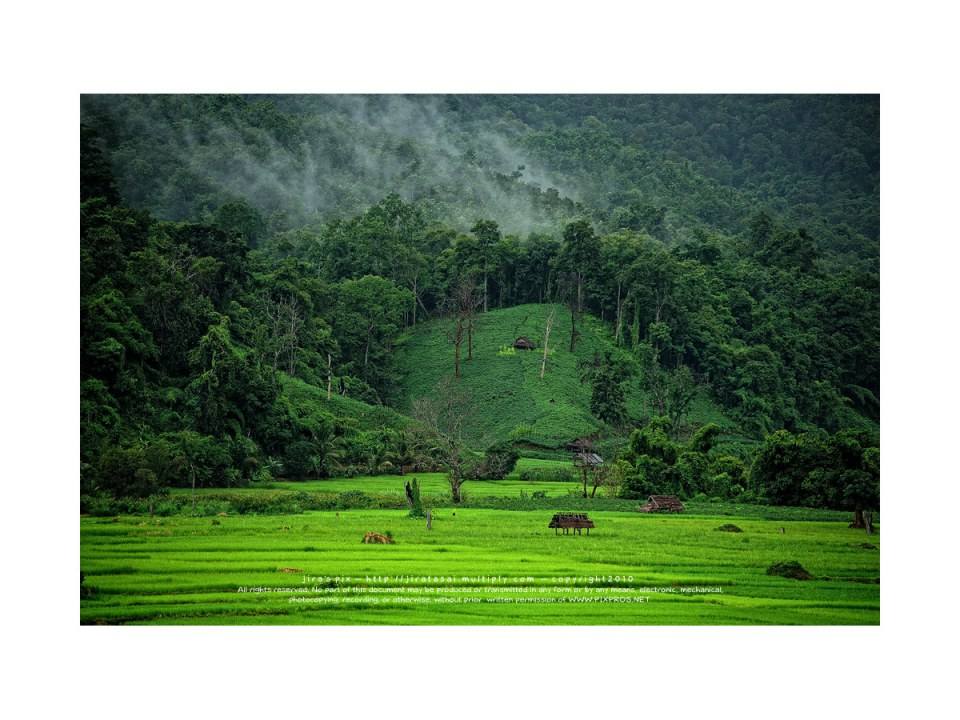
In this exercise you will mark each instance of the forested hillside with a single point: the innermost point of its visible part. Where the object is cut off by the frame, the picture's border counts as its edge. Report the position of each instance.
(267, 281)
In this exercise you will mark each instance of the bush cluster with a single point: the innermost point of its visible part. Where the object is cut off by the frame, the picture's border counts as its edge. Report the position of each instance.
(548, 474)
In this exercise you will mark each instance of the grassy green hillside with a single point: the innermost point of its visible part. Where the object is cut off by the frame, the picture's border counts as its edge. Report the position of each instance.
(304, 398)
(507, 396)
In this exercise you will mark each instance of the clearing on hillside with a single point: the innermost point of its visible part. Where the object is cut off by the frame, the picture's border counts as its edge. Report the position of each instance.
(507, 396)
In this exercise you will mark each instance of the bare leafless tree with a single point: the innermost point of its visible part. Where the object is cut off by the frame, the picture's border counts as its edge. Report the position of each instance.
(286, 323)
(460, 308)
(444, 414)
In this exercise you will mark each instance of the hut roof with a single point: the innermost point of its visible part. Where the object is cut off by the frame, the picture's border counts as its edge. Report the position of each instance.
(571, 520)
(662, 503)
(523, 343)
(587, 459)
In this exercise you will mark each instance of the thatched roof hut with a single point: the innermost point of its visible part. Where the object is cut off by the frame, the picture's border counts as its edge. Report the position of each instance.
(524, 343)
(662, 503)
(571, 521)
(587, 460)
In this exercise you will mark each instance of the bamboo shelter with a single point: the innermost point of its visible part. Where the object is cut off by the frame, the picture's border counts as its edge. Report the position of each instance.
(571, 521)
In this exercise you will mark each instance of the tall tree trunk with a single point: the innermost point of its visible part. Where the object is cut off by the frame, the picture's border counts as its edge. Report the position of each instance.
(579, 292)
(484, 290)
(573, 329)
(470, 339)
(415, 300)
(636, 322)
(457, 342)
(619, 315)
(329, 375)
(858, 520)
(546, 341)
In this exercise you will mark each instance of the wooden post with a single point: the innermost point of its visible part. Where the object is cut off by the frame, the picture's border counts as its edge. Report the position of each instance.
(868, 522)
(429, 520)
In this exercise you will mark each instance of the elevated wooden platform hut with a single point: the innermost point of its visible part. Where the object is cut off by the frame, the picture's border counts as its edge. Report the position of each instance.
(571, 521)
(587, 460)
(662, 503)
(524, 343)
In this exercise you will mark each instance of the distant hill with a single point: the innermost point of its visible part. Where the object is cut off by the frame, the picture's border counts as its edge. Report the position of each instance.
(507, 397)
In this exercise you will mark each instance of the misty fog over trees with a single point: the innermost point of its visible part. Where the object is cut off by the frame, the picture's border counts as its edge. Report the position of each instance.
(247, 260)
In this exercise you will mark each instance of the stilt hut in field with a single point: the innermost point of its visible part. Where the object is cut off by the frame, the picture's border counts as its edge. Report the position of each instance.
(571, 521)
(590, 464)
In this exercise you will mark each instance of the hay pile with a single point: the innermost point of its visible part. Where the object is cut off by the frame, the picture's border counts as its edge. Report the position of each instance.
(375, 538)
(790, 569)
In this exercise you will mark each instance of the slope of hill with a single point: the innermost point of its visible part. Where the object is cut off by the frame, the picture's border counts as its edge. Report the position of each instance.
(304, 398)
(507, 398)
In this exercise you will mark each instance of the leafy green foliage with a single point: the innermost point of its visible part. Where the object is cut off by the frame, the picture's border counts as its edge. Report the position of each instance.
(253, 296)
(499, 461)
(838, 471)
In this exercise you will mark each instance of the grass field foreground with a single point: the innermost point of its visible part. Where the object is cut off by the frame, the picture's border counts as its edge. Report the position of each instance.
(474, 567)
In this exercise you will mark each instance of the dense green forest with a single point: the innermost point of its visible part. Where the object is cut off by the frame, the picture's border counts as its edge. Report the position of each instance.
(258, 273)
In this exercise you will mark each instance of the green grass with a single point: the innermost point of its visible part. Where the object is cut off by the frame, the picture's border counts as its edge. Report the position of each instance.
(351, 413)
(430, 483)
(189, 570)
(506, 390)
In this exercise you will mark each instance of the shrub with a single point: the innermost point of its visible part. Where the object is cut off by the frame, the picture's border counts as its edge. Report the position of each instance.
(353, 499)
(101, 505)
(498, 462)
(521, 432)
(412, 489)
(297, 458)
(789, 569)
(548, 474)
(126, 471)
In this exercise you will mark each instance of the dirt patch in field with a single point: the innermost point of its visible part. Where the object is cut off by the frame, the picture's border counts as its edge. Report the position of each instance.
(289, 570)
(729, 527)
(790, 569)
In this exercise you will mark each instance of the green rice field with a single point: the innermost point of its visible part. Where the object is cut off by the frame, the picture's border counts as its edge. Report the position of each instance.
(475, 566)
(430, 484)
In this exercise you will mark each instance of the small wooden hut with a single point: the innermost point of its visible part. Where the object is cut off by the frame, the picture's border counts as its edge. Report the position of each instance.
(524, 343)
(662, 503)
(588, 460)
(580, 445)
(571, 521)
